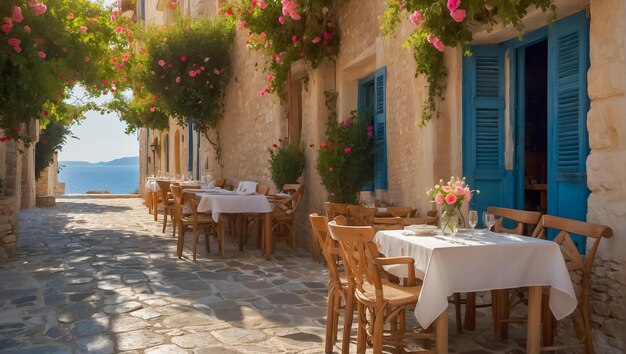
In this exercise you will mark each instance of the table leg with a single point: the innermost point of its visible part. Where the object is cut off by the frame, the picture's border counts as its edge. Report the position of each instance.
(533, 343)
(267, 235)
(155, 205)
(470, 311)
(441, 332)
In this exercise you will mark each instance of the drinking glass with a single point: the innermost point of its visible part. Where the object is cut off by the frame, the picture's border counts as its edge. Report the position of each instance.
(473, 220)
(489, 220)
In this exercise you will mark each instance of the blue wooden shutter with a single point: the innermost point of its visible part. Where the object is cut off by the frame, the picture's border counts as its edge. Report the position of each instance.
(380, 130)
(568, 104)
(483, 128)
(190, 150)
(167, 152)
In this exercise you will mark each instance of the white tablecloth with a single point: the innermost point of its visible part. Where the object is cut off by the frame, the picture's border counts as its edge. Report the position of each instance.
(231, 202)
(490, 261)
(153, 186)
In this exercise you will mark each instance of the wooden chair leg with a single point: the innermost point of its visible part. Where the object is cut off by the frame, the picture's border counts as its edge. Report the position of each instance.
(174, 226)
(164, 218)
(330, 319)
(220, 237)
(181, 240)
(361, 339)
(457, 312)
(206, 240)
(347, 322)
(196, 235)
(377, 340)
(155, 207)
(470, 311)
(500, 311)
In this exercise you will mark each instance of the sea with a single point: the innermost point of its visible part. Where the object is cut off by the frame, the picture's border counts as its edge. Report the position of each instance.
(118, 179)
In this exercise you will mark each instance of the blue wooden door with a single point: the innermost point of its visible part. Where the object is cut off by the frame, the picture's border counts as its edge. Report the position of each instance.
(568, 104)
(380, 128)
(484, 128)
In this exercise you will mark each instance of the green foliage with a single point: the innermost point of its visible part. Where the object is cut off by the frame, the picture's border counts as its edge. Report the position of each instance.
(182, 71)
(51, 140)
(312, 38)
(436, 27)
(345, 161)
(71, 42)
(286, 162)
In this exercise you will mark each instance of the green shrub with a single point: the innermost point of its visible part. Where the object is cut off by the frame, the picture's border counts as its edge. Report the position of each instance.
(286, 162)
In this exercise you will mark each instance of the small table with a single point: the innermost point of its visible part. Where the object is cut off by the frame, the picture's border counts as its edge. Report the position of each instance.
(229, 202)
(491, 261)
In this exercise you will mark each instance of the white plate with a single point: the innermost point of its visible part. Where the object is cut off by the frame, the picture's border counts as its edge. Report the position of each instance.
(421, 229)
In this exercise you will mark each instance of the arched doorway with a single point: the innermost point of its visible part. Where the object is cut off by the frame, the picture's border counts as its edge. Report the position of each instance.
(177, 152)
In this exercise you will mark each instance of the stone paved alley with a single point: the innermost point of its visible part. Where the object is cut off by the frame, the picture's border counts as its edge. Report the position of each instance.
(98, 276)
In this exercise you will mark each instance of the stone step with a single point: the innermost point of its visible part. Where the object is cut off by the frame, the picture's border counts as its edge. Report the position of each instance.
(46, 201)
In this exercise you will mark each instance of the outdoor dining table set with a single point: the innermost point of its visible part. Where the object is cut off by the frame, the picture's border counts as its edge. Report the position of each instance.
(435, 266)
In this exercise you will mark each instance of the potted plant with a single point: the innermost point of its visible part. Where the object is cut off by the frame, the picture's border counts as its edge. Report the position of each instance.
(346, 159)
(286, 162)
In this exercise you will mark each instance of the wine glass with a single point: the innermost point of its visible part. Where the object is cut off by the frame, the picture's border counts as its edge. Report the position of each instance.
(489, 220)
(473, 220)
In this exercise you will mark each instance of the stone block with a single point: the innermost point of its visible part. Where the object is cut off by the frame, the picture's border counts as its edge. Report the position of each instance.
(617, 311)
(10, 249)
(46, 201)
(9, 239)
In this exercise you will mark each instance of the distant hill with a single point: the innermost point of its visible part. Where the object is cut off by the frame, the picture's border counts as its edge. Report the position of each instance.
(134, 160)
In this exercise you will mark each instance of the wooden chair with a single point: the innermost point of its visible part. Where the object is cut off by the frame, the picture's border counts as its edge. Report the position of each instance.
(338, 287)
(195, 221)
(256, 218)
(168, 204)
(379, 302)
(221, 182)
(403, 212)
(505, 300)
(335, 209)
(581, 266)
(285, 212)
(360, 215)
(389, 223)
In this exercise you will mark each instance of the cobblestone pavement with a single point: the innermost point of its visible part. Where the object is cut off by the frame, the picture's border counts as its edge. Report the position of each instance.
(99, 276)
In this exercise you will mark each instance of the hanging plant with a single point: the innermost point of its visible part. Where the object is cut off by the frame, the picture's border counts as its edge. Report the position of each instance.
(450, 23)
(287, 31)
(47, 49)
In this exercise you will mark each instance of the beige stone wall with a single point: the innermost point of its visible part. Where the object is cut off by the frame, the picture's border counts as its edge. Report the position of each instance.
(605, 166)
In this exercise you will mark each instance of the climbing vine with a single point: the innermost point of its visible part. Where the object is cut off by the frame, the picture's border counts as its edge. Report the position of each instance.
(287, 31)
(450, 23)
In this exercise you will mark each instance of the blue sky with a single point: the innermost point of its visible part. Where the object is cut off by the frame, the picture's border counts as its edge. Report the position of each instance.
(100, 138)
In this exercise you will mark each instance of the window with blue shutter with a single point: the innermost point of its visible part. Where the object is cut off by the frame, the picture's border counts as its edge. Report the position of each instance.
(190, 150)
(167, 153)
(483, 128)
(568, 104)
(380, 128)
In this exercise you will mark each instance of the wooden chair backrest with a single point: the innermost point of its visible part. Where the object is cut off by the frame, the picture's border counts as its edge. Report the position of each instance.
(526, 220)
(566, 227)
(220, 182)
(388, 223)
(360, 215)
(262, 189)
(190, 187)
(329, 247)
(192, 199)
(289, 205)
(177, 194)
(335, 209)
(357, 252)
(403, 212)
(164, 186)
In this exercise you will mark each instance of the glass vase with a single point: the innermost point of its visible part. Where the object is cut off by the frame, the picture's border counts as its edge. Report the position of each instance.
(449, 221)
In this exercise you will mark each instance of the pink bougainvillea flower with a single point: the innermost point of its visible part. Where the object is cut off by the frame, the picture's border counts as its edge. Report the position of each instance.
(347, 150)
(178, 79)
(294, 38)
(126, 57)
(216, 71)
(346, 123)
(301, 54)
(83, 29)
(253, 4)
(262, 4)
(37, 7)
(370, 131)
(183, 58)
(262, 93)
(27, 29)
(270, 77)
(220, 11)
(17, 49)
(14, 42)
(262, 35)
(161, 62)
(6, 28)
(328, 36)
(192, 73)
(458, 15)
(87, 59)
(487, 6)
(436, 42)
(164, 39)
(274, 146)
(229, 12)
(281, 20)
(331, 169)
(289, 8)
(152, 109)
(16, 15)
(119, 29)
(316, 40)
(453, 4)
(8, 20)
(173, 5)
(202, 68)
(39, 40)
(41, 54)
(416, 18)
(450, 198)
(70, 16)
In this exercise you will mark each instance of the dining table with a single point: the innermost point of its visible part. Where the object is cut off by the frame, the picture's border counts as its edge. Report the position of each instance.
(220, 201)
(480, 261)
